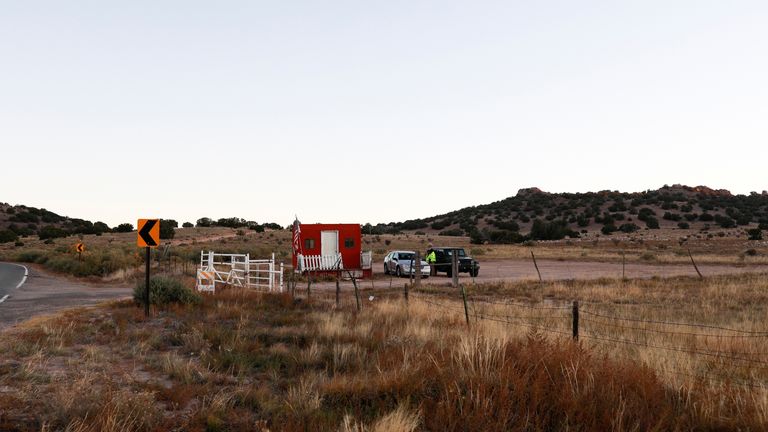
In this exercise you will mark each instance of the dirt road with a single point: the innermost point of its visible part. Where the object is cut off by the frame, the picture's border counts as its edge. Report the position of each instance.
(515, 270)
(44, 293)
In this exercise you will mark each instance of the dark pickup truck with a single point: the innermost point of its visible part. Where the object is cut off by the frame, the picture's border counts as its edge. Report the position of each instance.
(443, 261)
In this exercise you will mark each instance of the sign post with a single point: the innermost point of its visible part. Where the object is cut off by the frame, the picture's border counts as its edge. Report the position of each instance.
(79, 248)
(148, 238)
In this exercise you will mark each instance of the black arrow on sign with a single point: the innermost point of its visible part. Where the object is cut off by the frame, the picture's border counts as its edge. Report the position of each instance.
(144, 232)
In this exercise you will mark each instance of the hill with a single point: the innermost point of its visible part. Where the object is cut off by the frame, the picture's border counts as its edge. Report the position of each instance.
(537, 215)
(21, 221)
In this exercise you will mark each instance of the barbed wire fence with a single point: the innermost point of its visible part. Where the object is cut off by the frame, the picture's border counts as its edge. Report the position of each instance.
(589, 324)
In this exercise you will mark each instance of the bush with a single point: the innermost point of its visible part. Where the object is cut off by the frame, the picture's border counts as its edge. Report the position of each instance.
(554, 230)
(167, 228)
(163, 291)
(7, 236)
(32, 256)
(628, 228)
(608, 229)
(204, 222)
(452, 233)
(725, 221)
(651, 222)
(51, 232)
(706, 217)
(123, 228)
(683, 225)
(438, 225)
(505, 237)
(187, 225)
(755, 234)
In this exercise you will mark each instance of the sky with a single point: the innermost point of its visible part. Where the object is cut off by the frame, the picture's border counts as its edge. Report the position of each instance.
(372, 111)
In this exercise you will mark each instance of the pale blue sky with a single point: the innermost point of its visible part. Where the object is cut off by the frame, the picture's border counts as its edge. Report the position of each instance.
(118, 110)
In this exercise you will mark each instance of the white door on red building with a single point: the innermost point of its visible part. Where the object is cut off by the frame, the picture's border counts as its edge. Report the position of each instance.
(329, 242)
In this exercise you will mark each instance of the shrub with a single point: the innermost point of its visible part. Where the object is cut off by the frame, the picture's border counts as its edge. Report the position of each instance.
(755, 234)
(505, 237)
(18, 243)
(167, 228)
(204, 222)
(554, 230)
(683, 225)
(163, 291)
(725, 221)
(645, 213)
(706, 217)
(608, 229)
(100, 227)
(438, 225)
(628, 228)
(7, 236)
(651, 222)
(123, 228)
(452, 233)
(51, 232)
(671, 216)
(750, 252)
(32, 256)
(187, 225)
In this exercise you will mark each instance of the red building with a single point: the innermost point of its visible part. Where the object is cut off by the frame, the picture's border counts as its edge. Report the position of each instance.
(327, 248)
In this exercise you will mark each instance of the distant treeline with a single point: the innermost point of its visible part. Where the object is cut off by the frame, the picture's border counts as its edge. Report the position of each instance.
(23, 221)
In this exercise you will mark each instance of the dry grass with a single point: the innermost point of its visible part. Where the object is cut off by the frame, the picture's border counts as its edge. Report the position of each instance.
(248, 361)
(113, 256)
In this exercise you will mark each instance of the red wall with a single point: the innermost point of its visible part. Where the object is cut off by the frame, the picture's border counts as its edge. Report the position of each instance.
(349, 256)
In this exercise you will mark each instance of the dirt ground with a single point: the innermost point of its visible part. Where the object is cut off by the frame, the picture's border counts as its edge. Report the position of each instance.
(515, 270)
(45, 293)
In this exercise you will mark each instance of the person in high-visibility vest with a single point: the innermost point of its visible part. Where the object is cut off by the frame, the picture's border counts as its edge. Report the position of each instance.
(431, 260)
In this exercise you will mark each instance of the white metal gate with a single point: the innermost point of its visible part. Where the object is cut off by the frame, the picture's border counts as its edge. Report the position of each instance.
(238, 270)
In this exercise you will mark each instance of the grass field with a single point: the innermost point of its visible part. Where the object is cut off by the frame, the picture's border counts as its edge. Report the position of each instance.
(115, 255)
(249, 361)
(653, 354)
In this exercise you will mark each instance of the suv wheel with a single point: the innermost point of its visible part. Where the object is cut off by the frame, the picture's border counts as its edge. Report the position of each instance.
(449, 272)
(475, 272)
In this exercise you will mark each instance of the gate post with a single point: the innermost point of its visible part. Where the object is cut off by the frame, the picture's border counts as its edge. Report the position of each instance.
(247, 270)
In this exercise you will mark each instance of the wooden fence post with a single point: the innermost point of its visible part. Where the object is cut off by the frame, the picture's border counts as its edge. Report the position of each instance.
(575, 324)
(338, 290)
(357, 293)
(466, 310)
(536, 265)
(405, 293)
(694, 265)
(417, 281)
(455, 268)
(309, 283)
(623, 265)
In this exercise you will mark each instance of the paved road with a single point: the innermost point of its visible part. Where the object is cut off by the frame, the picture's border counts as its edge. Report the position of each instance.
(44, 293)
(11, 277)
